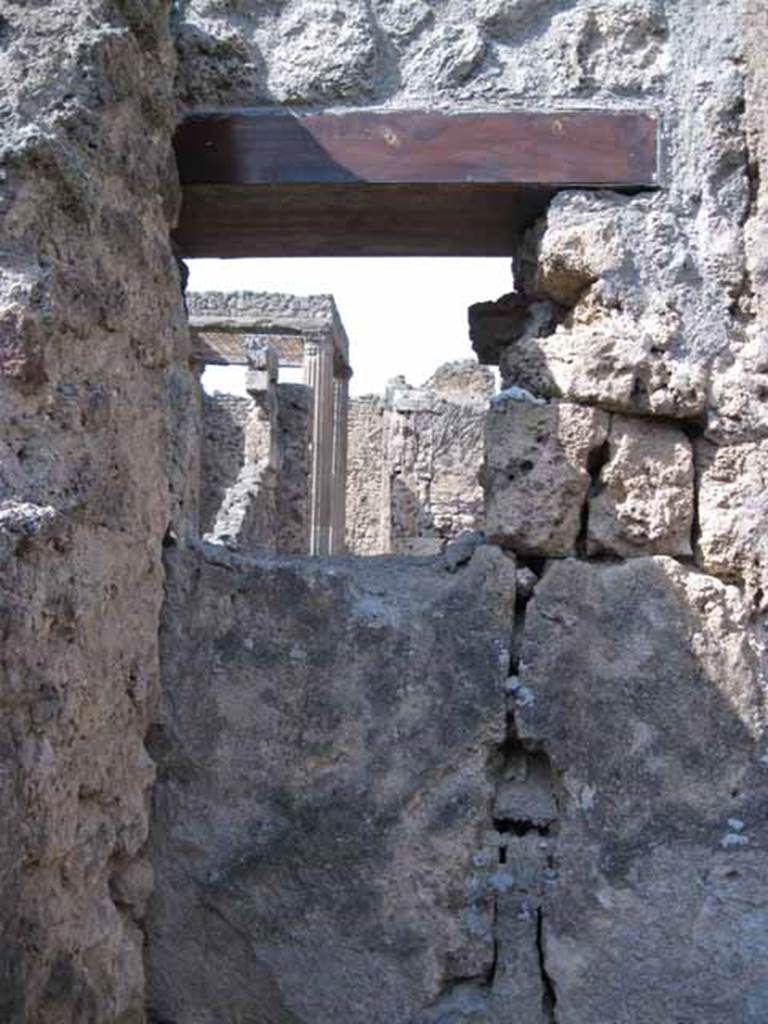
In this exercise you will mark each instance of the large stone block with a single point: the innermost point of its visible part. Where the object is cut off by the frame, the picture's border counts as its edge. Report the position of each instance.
(733, 512)
(324, 791)
(612, 361)
(644, 497)
(643, 684)
(537, 471)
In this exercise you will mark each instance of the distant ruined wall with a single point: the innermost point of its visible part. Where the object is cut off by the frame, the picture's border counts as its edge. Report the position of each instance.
(280, 521)
(294, 418)
(222, 451)
(415, 458)
(368, 504)
(96, 431)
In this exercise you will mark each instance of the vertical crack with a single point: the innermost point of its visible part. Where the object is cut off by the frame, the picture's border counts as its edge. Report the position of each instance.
(491, 976)
(520, 865)
(549, 1000)
(526, 812)
(596, 461)
(695, 517)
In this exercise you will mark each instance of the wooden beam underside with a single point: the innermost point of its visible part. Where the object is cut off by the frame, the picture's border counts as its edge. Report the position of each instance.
(396, 183)
(229, 348)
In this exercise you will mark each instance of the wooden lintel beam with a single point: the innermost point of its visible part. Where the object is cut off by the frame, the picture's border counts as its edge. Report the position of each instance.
(394, 182)
(579, 148)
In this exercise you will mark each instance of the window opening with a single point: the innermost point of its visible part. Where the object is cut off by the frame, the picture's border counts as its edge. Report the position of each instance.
(348, 422)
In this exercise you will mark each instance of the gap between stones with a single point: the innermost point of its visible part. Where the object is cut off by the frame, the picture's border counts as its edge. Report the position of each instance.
(537, 767)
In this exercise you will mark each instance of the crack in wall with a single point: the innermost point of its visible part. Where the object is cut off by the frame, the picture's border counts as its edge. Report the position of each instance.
(550, 996)
(526, 805)
(597, 459)
(521, 864)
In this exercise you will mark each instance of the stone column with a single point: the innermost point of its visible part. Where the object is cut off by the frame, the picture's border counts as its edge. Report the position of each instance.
(261, 382)
(339, 463)
(318, 375)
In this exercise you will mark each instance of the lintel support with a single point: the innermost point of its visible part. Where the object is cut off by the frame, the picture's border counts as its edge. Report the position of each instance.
(394, 182)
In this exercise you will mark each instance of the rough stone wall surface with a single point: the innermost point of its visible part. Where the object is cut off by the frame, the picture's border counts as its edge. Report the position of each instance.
(367, 479)
(294, 418)
(657, 734)
(630, 783)
(415, 457)
(263, 305)
(646, 316)
(459, 52)
(222, 452)
(93, 390)
(324, 836)
(244, 502)
(625, 464)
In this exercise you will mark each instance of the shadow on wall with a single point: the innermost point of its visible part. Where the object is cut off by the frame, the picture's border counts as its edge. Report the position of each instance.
(222, 454)
(326, 838)
(642, 682)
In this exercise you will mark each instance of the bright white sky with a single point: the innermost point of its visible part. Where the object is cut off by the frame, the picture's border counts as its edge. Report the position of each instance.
(402, 315)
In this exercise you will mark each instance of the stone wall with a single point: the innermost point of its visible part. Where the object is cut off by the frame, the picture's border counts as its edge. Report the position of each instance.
(222, 454)
(324, 835)
(368, 504)
(624, 467)
(294, 419)
(95, 446)
(414, 461)
(629, 790)
(243, 503)
(417, 53)
(631, 426)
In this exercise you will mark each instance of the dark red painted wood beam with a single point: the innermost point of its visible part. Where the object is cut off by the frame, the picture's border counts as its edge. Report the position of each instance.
(394, 183)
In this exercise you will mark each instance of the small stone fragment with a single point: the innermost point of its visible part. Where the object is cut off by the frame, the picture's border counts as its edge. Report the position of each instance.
(526, 581)
(459, 551)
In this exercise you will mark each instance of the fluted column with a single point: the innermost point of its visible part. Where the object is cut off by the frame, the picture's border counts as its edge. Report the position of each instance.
(318, 375)
(339, 463)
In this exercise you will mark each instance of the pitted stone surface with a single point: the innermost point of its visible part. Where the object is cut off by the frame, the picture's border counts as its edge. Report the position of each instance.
(644, 495)
(612, 361)
(97, 419)
(733, 512)
(322, 792)
(310, 51)
(536, 473)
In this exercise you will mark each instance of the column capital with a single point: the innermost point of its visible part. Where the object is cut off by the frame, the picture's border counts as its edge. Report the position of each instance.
(317, 343)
